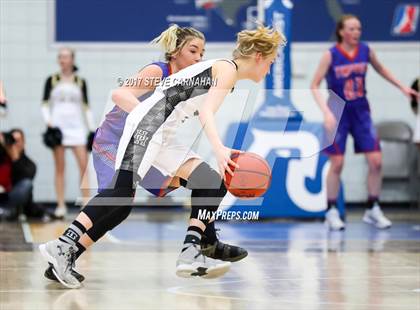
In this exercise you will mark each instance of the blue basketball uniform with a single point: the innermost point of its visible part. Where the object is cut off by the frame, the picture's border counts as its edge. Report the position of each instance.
(346, 77)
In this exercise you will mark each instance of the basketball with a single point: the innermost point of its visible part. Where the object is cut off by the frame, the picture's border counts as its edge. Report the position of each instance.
(253, 177)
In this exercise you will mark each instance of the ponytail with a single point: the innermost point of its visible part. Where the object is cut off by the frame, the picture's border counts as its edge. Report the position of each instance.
(174, 39)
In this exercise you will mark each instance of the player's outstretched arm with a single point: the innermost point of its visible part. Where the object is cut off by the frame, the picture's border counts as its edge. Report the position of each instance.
(386, 74)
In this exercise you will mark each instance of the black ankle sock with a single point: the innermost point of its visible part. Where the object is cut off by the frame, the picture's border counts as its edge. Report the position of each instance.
(80, 249)
(73, 233)
(209, 235)
(372, 200)
(331, 204)
(193, 236)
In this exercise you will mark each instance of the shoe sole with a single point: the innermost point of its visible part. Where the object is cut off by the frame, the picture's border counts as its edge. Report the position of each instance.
(51, 276)
(189, 271)
(52, 260)
(48, 275)
(216, 272)
(334, 229)
(369, 221)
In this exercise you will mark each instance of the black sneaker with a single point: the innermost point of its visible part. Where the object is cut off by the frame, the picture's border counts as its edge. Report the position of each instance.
(223, 251)
(51, 276)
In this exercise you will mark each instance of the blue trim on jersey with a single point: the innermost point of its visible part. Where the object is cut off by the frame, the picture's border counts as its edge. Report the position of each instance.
(164, 66)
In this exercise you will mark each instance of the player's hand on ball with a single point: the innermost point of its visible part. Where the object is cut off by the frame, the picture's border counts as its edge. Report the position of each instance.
(223, 156)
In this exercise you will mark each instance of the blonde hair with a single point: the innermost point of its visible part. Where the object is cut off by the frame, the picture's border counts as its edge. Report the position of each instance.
(173, 39)
(263, 39)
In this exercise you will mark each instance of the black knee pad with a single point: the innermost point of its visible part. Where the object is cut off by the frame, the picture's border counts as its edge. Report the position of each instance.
(203, 177)
(112, 200)
(208, 190)
(109, 222)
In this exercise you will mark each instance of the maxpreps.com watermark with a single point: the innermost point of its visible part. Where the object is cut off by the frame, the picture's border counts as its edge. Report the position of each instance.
(228, 215)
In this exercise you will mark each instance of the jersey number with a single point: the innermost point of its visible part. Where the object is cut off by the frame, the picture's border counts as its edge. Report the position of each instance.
(353, 88)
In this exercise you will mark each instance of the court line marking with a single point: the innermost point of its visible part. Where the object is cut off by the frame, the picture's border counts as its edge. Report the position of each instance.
(175, 290)
(87, 268)
(27, 232)
(84, 289)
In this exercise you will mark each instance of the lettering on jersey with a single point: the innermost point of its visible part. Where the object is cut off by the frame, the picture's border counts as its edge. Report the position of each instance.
(141, 137)
(344, 71)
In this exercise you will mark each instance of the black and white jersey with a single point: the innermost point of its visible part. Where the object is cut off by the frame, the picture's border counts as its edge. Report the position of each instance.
(153, 123)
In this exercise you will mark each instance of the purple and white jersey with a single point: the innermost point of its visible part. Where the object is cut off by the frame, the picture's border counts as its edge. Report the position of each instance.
(108, 135)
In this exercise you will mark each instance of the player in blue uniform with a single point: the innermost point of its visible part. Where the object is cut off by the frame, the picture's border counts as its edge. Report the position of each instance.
(344, 67)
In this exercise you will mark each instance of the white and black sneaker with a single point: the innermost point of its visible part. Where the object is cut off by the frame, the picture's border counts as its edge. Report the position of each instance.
(376, 217)
(333, 220)
(192, 263)
(62, 256)
(49, 274)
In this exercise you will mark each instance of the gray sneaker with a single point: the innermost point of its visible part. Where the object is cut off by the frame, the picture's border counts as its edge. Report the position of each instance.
(192, 263)
(62, 256)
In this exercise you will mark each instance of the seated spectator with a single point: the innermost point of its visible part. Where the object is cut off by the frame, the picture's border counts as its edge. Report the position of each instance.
(3, 101)
(415, 107)
(17, 174)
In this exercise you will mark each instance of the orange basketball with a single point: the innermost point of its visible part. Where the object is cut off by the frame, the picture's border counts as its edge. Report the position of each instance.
(251, 179)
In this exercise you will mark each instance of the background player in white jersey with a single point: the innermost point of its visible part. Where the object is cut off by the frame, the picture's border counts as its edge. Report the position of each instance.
(65, 106)
(147, 142)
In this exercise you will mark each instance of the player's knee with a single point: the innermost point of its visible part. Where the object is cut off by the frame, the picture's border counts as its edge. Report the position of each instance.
(109, 201)
(118, 215)
(207, 193)
(375, 164)
(115, 217)
(122, 214)
(203, 177)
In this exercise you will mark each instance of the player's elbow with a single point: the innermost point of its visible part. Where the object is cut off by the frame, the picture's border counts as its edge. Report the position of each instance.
(116, 96)
(315, 84)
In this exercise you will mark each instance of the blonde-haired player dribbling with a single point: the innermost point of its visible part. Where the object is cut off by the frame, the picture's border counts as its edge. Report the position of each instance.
(148, 141)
